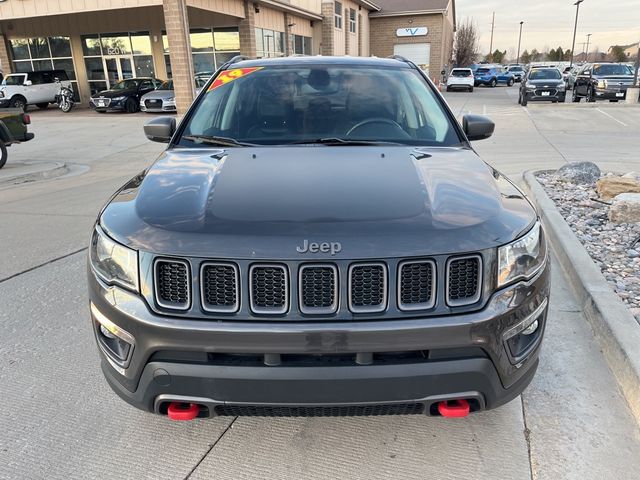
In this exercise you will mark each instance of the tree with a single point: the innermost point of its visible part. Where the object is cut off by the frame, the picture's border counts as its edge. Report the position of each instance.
(617, 54)
(497, 56)
(567, 56)
(525, 57)
(552, 55)
(465, 50)
(535, 55)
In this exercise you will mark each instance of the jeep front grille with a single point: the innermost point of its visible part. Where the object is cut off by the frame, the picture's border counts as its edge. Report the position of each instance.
(269, 288)
(318, 289)
(416, 285)
(464, 280)
(171, 279)
(367, 287)
(219, 287)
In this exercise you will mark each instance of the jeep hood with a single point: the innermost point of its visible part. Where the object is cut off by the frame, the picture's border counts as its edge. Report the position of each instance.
(263, 202)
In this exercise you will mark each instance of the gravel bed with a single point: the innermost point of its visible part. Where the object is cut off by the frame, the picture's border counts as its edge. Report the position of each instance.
(611, 246)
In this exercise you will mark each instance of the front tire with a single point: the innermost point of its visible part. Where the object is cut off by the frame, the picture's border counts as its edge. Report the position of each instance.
(574, 96)
(493, 83)
(18, 102)
(524, 101)
(510, 83)
(131, 106)
(66, 106)
(42, 106)
(591, 96)
(3, 154)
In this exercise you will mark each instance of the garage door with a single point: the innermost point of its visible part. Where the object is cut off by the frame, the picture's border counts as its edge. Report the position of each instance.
(418, 53)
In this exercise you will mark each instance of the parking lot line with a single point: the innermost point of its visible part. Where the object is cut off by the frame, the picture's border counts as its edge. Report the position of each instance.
(612, 117)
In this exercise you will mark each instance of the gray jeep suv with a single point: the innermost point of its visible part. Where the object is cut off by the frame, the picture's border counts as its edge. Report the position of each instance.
(318, 238)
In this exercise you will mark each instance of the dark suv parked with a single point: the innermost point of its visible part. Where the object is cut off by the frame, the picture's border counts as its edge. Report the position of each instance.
(319, 238)
(603, 81)
(542, 85)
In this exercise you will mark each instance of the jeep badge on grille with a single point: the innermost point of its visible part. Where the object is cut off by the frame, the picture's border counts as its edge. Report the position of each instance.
(324, 247)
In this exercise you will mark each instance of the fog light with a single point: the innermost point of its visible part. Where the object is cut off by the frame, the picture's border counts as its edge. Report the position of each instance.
(106, 332)
(530, 329)
(116, 343)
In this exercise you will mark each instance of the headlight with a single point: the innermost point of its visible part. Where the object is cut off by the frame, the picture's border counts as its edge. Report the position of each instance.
(531, 86)
(602, 84)
(118, 99)
(560, 86)
(170, 99)
(114, 263)
(523, 258)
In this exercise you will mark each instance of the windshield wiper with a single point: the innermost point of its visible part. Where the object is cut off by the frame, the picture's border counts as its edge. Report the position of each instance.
(342, 141)
(213, 140)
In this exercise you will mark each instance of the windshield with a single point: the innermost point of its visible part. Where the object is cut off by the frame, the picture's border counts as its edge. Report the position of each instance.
(612, 70)
(483, 70)
(168, 85)
(545, 74)
(461, 73)
(301, 104)
(125, 85)
(14, 80)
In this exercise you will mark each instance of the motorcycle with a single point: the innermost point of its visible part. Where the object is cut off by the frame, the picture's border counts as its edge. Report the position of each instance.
(64, 97)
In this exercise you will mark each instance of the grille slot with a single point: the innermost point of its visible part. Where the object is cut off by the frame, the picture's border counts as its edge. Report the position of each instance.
(319, 411)
(172, 284)
(464, 280)
(417, 285)
(219, 287)
(269, 289)
(367, 287)
(318, 289)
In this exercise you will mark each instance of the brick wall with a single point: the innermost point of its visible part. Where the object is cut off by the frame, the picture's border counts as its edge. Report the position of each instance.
(383, 37)
(176, 24)
(328, 34)
(5, 61)
(247, 31)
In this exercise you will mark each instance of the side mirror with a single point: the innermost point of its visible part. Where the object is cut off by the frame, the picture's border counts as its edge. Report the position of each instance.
(477, 127)
(160, 129)
(28, 83)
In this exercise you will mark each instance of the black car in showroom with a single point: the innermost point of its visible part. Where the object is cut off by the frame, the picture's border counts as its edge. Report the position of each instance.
(603, 81)
(318, 238)
(542, 85)
(124, 95)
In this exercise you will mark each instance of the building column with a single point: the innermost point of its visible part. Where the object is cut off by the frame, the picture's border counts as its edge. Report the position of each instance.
(5, 59)
(328, 33)
(176, 22)
(247, 31)
(84, 91)
(288, 37)
(157, 50)
(360, 36)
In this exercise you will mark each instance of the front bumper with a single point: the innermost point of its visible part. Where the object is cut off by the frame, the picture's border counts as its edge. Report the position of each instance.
(220, 362)
(535, 96)
(611, 93)
(159, 108)
(112, 106)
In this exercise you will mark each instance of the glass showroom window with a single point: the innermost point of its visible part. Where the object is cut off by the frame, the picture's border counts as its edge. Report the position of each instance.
(301, 45)
(44, 53)
(111, 57)
(352, 20)
(269, 43)
(338, 15)
(210, 48)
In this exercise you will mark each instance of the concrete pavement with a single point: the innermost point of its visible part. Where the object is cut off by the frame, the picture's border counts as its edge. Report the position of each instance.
(62, 421)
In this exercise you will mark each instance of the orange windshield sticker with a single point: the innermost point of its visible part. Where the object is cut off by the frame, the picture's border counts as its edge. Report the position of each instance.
(228, 76)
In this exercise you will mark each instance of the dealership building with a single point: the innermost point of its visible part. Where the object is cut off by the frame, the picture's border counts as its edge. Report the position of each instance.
(99, 42)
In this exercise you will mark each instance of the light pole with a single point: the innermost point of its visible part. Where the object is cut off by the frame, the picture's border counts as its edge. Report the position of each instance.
(575, 29)
(519, 40)
(586, 58)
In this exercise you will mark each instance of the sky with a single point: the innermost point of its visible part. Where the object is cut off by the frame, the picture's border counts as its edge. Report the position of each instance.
(549, 23)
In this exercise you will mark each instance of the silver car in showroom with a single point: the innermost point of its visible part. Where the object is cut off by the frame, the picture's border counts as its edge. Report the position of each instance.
(163, 99)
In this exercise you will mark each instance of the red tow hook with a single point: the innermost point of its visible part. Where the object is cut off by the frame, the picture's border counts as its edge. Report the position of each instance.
(454, 408)
(182, 411)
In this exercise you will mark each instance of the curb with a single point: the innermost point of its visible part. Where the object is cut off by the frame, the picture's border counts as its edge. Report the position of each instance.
(56, 170)
(616, 330)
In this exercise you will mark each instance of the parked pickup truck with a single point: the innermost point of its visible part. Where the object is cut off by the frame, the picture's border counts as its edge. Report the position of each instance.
(13, 129)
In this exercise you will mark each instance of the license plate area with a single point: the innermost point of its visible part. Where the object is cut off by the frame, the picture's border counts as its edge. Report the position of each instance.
(620, 94)
(546, 94)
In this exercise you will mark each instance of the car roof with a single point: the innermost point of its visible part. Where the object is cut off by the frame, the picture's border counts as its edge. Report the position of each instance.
(309, 61)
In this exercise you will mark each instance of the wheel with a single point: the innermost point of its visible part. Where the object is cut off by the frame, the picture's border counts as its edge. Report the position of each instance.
(470, 89)
(18, 102)
(66, 106)
(510, 83)
(3, 154)
(574, 96)
(131, 106)
(591, 96)
(493, 83)
(524, 101)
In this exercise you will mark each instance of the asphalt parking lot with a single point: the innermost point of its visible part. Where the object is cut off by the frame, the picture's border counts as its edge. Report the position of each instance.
(62, 421)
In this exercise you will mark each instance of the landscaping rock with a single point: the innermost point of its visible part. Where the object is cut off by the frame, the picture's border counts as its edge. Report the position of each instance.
(579, 172)
(609, 187)
(625, 209)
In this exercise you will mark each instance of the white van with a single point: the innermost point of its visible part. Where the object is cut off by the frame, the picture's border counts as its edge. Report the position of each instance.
(33, 88)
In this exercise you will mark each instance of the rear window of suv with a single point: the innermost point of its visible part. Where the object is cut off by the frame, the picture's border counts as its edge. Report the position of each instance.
(280, 105)
(461, 72)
